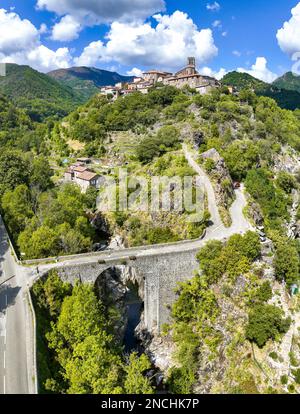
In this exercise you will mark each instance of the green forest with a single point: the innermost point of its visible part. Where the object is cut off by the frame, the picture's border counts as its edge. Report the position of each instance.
(78, 349)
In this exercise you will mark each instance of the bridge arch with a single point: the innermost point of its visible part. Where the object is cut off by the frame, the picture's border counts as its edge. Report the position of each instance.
(157, 276)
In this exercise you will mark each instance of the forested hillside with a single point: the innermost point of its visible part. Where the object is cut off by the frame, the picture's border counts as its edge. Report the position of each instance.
(289, 81)
(286, 97)
(250, 132)
(38, 94)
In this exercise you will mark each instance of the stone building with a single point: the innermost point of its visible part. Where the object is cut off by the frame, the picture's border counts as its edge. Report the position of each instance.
(80, 174)
(188, 76)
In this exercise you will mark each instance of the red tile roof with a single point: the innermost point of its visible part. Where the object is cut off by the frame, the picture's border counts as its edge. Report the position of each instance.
(87, 176)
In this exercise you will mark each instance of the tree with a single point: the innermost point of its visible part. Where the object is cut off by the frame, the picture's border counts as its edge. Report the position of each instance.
(136, 382)
(240, 157)
(41, 173)
(286, 181)
(286, 263)
(17, 207)
(43, 242)
(51, 293)
(94, 367)
(266, 322)
(14, 171)
(147, 149)
(71, 240)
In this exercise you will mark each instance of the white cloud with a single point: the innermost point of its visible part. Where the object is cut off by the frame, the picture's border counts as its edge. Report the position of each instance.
(66, 30)
(213, 6)
(103, 11)
(43, 29)
(217, 24)
(92, 54)
(260, 70)
(16, 35)
(168, 44)
(20, 43)
(80, 13)
(289, 35)
(224, 34)
(135, 72)
(237, 53)
(206, 71)
(46, 59)
(40, 58)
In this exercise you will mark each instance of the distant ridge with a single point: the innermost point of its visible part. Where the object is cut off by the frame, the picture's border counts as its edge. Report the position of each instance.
(289, 81)
(86, 81)
(286, 98)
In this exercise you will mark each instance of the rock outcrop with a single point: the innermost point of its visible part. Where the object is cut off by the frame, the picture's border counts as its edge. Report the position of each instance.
(221, 179)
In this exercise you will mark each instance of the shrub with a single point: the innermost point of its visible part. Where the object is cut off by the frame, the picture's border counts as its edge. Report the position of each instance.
(286, 182)
(266, 322)
(209, 165)
(286, 263)
(273, 355)
(296, 374)
(264, 292)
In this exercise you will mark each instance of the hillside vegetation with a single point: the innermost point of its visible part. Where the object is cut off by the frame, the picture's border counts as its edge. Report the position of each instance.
(289, 81)
(286, 97)
(38, 94)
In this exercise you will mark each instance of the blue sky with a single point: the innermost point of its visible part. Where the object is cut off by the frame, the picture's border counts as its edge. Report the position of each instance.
(224, 35)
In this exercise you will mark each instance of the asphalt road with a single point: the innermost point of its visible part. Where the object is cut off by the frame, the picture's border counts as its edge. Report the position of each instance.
(13, 311)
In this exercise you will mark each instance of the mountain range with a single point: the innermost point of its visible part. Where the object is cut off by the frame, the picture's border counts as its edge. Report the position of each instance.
(87, 81)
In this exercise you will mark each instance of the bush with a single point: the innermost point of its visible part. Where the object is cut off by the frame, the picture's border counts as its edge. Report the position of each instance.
(266, 322)
(264, 292)
(296, 374)
(286, 263)
(284, 379)
(150, 147)
(286, 182)
(273, 355)
(209, 165)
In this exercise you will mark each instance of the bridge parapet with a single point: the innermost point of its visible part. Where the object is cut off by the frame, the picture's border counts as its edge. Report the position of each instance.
(158, 275)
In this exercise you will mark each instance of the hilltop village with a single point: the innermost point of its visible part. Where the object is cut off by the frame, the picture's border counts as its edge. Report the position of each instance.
(188, 76)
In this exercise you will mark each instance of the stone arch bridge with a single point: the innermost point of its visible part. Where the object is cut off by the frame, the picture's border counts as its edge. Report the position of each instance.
(156, 273)
(157, 268)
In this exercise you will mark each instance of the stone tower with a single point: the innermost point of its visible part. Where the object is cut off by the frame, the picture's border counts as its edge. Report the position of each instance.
(191, 68)
(192, 62)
